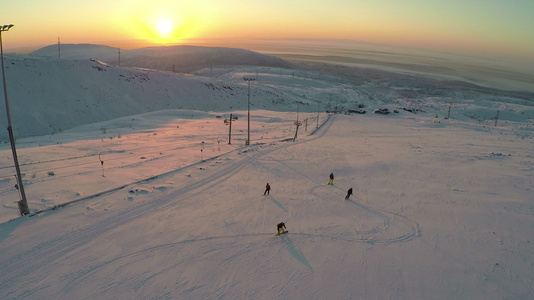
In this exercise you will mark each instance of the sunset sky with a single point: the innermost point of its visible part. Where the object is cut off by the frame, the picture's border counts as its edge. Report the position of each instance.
(489, 27)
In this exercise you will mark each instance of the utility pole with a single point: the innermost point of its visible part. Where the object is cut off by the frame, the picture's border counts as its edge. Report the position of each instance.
(119, 51)
(58, 48)
(23, 204)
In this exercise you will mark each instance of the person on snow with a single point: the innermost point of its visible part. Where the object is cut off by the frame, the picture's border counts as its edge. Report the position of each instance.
(349, 192)
(267, 189)
(331, 181)
(281, 227)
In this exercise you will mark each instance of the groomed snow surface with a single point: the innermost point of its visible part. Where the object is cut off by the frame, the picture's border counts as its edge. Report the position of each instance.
(442, 209)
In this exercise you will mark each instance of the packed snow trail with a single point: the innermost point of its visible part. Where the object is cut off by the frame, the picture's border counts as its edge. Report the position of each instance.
(47, 253)
(407, 229)
(205, 231)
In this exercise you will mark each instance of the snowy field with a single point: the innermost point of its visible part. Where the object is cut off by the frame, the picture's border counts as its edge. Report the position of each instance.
(439, 211)
(442, 207)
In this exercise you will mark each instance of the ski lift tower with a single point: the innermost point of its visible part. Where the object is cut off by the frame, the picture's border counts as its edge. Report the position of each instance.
(228, 121)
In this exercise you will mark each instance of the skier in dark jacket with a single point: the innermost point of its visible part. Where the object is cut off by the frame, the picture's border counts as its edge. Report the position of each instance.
(331, 181)
(349, 192)
(281, 227)
(267, 189)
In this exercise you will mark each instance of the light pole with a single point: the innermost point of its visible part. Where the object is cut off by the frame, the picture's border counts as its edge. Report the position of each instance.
(23, 204)
(248, 80)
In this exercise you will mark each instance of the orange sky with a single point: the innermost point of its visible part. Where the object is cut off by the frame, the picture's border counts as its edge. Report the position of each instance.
(493, 27)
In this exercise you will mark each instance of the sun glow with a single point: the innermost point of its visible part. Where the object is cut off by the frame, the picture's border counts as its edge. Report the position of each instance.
(164, 26)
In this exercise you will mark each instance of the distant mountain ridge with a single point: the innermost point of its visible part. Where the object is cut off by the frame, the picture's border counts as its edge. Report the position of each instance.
(180, 58)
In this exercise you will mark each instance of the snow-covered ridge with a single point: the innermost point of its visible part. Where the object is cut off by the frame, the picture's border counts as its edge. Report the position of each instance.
(48, 95)
(181, 59)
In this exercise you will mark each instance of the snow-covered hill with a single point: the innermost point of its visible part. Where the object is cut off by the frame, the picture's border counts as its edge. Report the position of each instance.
(181, 59)
(48, 95)
(145, 194)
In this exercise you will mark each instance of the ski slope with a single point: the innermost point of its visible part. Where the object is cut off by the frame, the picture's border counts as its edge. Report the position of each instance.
(138, 191)
(439, 211)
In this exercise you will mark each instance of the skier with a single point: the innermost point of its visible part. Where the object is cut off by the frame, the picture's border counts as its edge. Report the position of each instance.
(267, 189)
(331, 181)
(281, 227)
(349, 192)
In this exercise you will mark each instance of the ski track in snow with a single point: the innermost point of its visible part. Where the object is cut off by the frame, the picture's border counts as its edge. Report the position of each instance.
(48, 252)
(71, 170)
(409, 228)
(52, 250)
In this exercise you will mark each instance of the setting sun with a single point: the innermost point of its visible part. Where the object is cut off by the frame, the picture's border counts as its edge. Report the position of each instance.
(164, 26)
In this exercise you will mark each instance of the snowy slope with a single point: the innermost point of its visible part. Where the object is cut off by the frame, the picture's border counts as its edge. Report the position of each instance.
(442, 207)
(181, 58)
(49, 95)
(437, 213)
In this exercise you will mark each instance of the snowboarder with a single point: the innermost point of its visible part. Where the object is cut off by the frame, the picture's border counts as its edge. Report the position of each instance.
(281, 227)
(331, 181)
(349, 192)
(267, 189)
